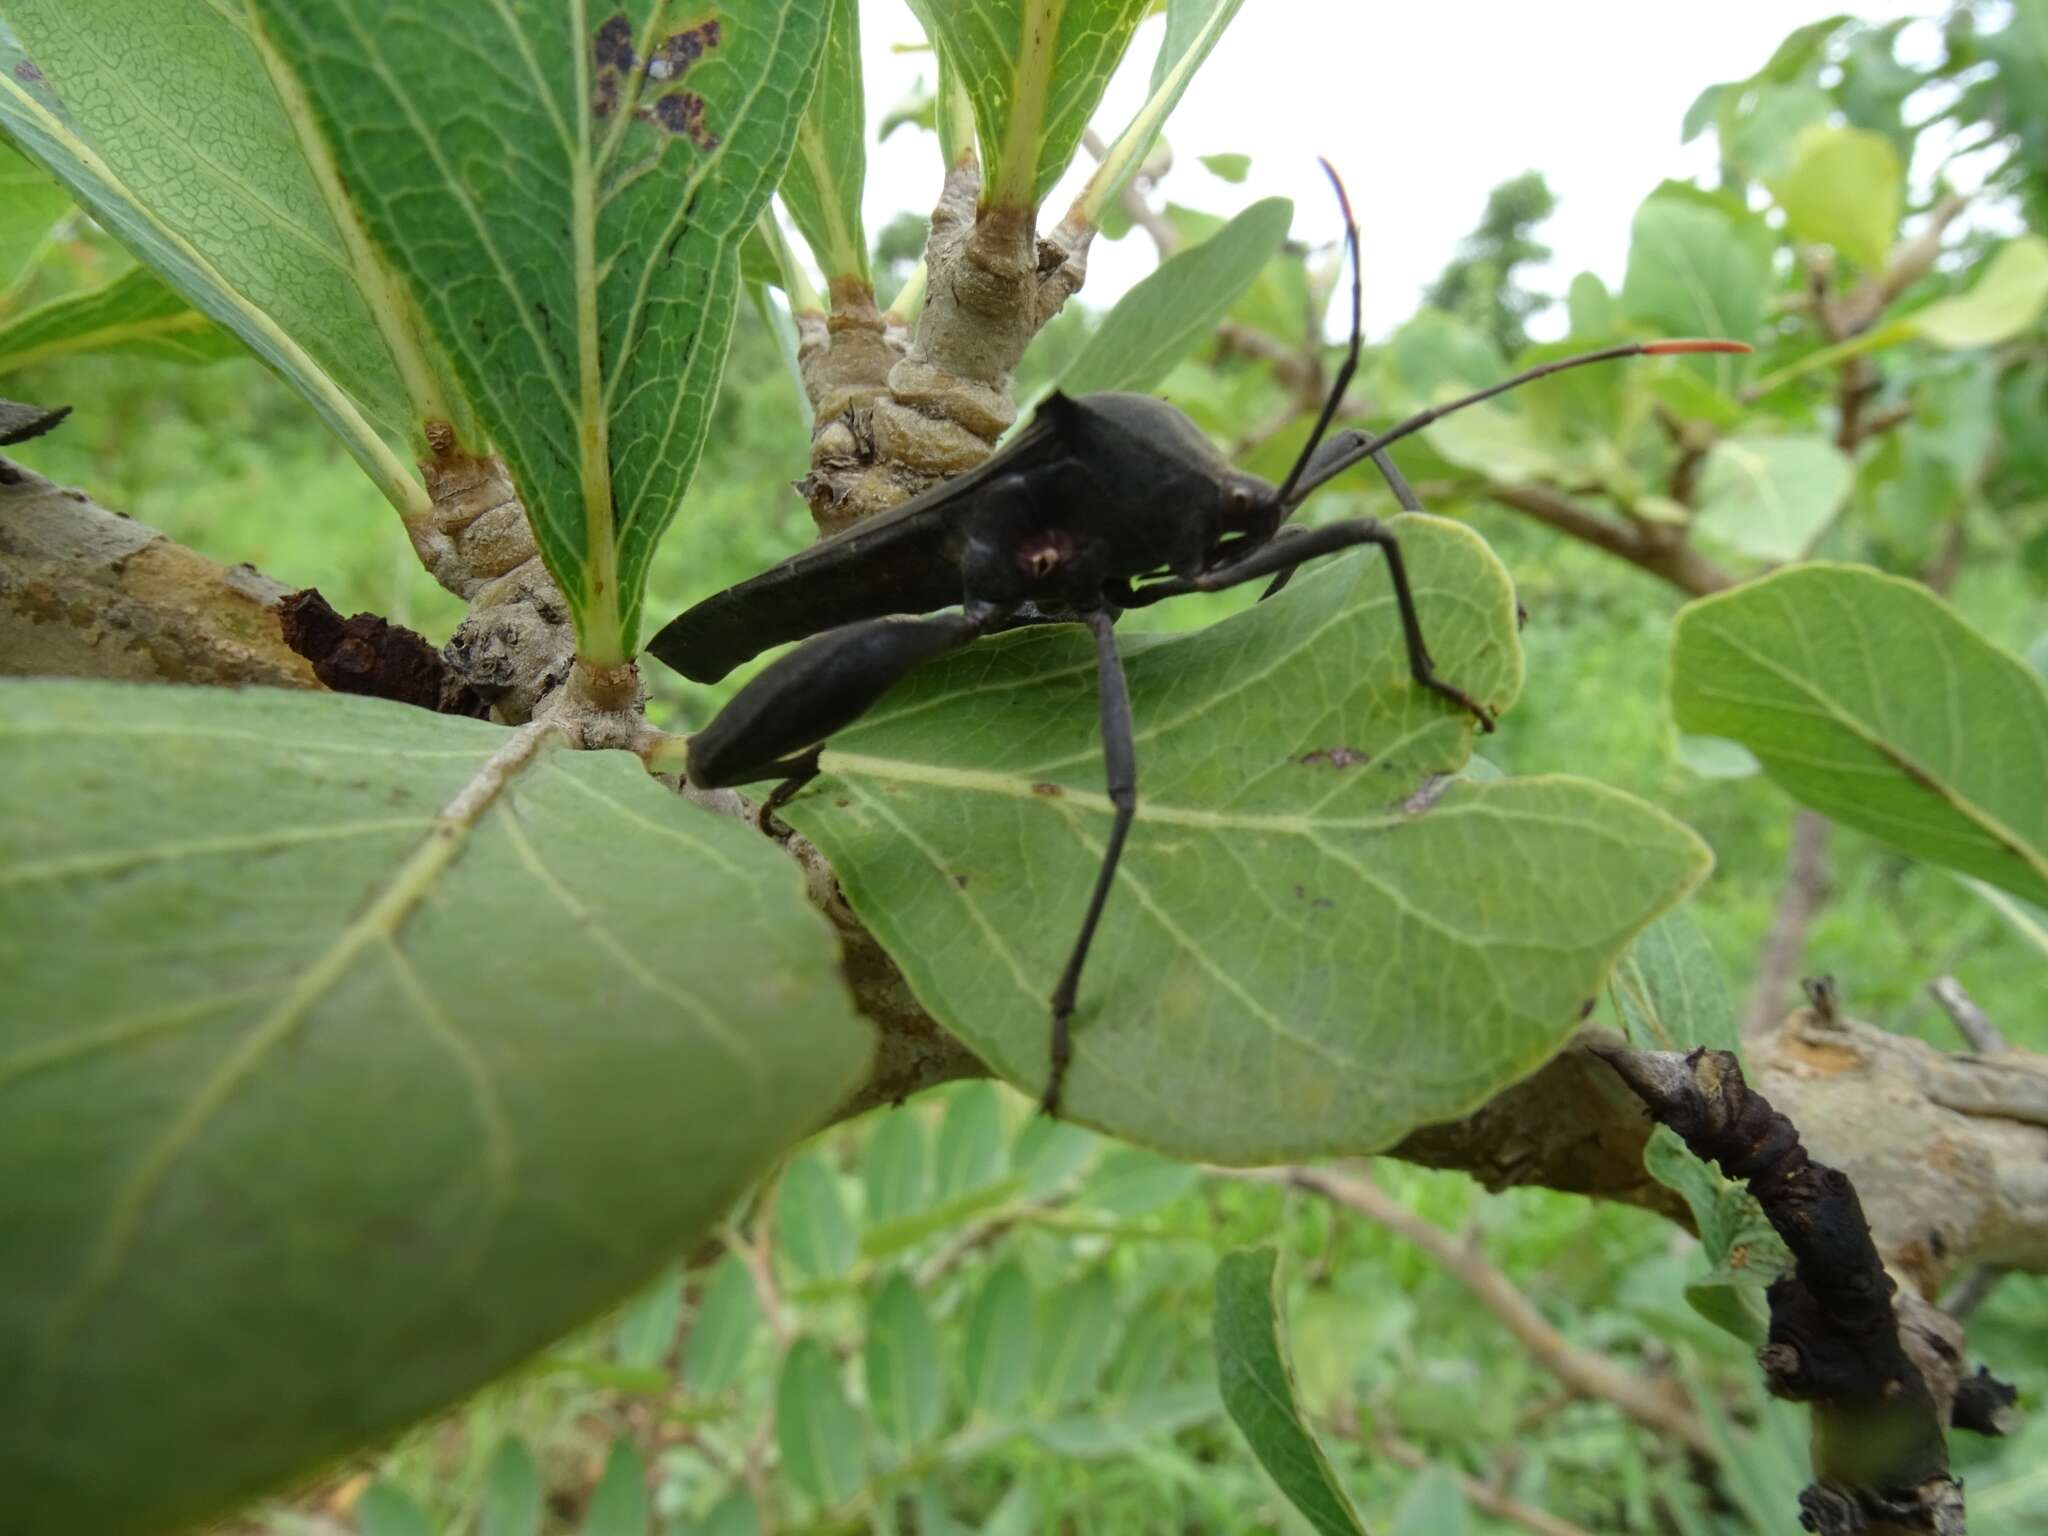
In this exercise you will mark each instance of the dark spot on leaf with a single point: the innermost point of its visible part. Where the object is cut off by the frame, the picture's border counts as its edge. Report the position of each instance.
(961, 881)
(842, 803)
(678, 51)
(1314, 901)
(604, 94)
(1338, 757)
(27, 73)
(1050, 791)
(1586, 1008)
(613, 46)
(1427, 794)
(1521, 614)
(682, 113)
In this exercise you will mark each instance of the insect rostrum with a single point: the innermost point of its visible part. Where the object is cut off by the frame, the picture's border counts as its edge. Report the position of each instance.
(1100, 504)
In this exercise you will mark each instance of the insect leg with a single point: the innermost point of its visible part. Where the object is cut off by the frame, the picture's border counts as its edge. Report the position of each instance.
(1120, 759)
(1404, 493)
(1279, 555)
(768, 728)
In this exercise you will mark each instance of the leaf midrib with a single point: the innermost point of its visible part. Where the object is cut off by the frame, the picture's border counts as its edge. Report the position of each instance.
(380, 920)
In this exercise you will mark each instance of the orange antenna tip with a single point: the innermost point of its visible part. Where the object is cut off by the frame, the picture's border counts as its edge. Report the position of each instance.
(1671, 348)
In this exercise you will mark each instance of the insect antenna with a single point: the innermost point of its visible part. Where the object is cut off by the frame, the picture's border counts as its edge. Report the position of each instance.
(1349, 448)
(1350, 366)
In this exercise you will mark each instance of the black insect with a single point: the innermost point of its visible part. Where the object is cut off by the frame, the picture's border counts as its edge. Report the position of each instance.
(1108, 502)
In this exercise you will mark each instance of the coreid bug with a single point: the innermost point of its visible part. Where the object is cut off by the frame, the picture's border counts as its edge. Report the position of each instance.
(1102, 503)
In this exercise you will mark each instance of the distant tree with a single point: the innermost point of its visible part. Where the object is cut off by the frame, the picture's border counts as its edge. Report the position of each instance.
(1479, 285)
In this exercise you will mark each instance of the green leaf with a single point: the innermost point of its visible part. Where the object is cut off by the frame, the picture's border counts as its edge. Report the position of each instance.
(906, 1381)
(811, 1225)
(1703, 112)
(2005, 301)
(1868, 698)
(1711, 757)
(1436, 355)
(829, 169)
(1846, 189)
(726, 1321)
(1316, 941)
(1257, 1384)
(1132, 1182)
(511, 1491)
(1495, 441)
(998, 1356)
(1764, 137)
(1771, 497)
(292, 1032)
(1016, 1515)
(1231, 168)
(185, 152)
(895, 1163)
(1034, 71)
(1670, 990)
(1592, 308)
(970, 1153)
(1049, 1152)
(387, 1510)
(1744, 1254)
(824, 1453)
(1161, 320)
(135, 315)
(734, 1515)
(31, 203)
(647, 1327)
(1192, 30)
(1690, 273)
(1077, 1325)
(1433, 1506)
(575, 250)
(619, 1506)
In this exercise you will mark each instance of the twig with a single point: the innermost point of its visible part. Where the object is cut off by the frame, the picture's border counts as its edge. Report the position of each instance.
(1970, 1021)
(1589, 1375)
(1805, 892)
(1502, 1506)
(1676, 561)
(1973, 1290)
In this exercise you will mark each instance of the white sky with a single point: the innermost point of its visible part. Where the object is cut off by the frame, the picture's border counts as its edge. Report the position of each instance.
(1423, 106)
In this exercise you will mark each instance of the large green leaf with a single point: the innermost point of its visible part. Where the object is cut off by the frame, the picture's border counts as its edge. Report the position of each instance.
(1846, 188)
(1257, 1383)
(566, 196)
(829, 169)
(1034, 71)
(304, 1047)
(1771, 497)
(134, 315)
(1160, 320)
(175, 138)
(1316, 941)
(1868, 698)
(1691, 273)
